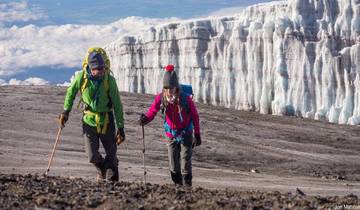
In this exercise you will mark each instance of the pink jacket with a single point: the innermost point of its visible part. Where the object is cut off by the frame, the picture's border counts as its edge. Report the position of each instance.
(173, 116)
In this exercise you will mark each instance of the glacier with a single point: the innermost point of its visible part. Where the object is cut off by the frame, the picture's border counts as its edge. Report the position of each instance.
(296, 57)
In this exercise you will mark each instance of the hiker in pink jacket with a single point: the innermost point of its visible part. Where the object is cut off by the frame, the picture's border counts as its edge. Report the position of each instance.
(181, 120)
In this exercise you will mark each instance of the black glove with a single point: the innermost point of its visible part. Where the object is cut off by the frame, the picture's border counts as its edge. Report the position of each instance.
(63, 118)
(197, 140)
(120, 136)
(143, 119)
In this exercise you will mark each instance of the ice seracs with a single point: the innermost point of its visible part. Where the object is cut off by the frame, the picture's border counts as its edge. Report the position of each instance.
(296, 57)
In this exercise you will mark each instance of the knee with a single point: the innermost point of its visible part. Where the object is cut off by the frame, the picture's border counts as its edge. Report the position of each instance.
(187, 168)
(174, 171)
(186, 171)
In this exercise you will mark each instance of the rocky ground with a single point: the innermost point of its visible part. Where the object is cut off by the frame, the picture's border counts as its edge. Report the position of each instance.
(242, 152)
(43, 192)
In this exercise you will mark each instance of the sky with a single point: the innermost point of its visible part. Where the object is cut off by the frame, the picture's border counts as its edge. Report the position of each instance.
(44, 41)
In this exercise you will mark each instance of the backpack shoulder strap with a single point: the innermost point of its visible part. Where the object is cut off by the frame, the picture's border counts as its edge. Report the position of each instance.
(83, 83)
(162, 106)
(184, 103)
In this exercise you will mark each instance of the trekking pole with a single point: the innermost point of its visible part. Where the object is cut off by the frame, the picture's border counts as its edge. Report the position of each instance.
(143, 155)
(54, 148)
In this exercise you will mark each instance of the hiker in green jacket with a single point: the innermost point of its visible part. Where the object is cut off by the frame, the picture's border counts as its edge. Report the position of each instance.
(101, 98)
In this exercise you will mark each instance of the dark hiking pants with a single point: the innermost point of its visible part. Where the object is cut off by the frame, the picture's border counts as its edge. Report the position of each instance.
(180, 160)
(92, 139)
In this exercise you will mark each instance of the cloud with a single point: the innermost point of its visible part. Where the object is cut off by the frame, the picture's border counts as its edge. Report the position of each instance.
(18, 11)
(29, 81)
(65, 84)
(2, 82)
(61, 46)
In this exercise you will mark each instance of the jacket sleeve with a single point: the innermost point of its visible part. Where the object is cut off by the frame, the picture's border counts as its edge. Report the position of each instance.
(72, 91)
(194, 115)
(154, 109)
(116, 101)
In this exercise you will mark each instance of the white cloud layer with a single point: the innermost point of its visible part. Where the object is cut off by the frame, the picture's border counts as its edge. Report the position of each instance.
(57, 45)
(2, 82)
(65, 84)
(63, 46)
(18, 11)
(29, 81)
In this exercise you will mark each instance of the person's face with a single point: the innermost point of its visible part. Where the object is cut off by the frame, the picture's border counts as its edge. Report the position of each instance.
(170, 91)
(98, 72)
(170, 94)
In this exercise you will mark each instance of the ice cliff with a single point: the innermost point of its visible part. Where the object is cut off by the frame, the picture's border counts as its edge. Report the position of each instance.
(295, 57)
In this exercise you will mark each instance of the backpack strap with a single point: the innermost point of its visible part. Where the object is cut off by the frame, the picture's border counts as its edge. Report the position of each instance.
(83, 84)
(97, 120)
(184, 103)
(162, 106)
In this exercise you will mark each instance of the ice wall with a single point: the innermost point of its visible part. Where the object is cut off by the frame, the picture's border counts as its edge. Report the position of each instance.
(296, 57)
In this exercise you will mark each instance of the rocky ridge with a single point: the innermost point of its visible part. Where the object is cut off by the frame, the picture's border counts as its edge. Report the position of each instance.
(32, 191)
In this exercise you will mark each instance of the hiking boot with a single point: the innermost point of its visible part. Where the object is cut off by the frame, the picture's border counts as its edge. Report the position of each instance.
(112, 174)
(101, 171)
(177, 178)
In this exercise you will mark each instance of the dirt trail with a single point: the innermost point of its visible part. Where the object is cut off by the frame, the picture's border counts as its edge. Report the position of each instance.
(287, 152)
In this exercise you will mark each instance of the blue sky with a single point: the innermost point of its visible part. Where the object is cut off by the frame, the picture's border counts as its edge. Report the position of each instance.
(106, 11)
(33, 32)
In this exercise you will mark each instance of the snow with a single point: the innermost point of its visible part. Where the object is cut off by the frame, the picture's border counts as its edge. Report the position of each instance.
(295, 57)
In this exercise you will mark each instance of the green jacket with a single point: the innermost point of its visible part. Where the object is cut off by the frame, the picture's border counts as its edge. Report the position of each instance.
(101, 105)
